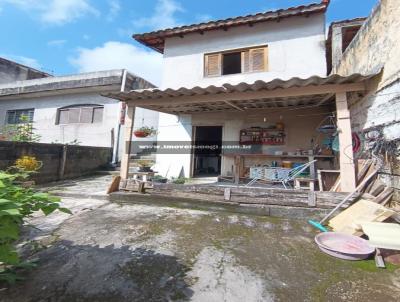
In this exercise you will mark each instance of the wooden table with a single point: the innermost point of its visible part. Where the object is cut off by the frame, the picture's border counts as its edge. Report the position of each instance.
(239, 161)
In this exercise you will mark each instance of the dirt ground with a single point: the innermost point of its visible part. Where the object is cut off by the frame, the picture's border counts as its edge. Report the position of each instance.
(132, 252)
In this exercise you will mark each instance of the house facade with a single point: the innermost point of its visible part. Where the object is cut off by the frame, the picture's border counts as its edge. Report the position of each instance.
(258, 81)
(71, 109)
(375, 49)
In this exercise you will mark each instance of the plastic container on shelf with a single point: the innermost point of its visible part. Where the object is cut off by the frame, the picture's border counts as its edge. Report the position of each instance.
(287, 164)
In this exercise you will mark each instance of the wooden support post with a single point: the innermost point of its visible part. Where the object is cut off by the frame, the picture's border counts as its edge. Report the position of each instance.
(347, 166)
(237, 170)
(227, 194)
(63, 162)
(129, 121)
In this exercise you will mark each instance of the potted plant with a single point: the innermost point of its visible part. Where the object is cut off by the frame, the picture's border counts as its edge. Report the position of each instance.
(145, 131)
(145, 165)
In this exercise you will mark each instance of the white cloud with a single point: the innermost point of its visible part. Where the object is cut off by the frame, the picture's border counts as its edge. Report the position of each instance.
(163, 15)
(58, 43)
(203, 18)
(55, 11)
(114, 8)
(114, 55)
(30, 62)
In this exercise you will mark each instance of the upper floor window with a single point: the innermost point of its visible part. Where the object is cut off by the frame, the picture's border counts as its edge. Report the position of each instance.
(19, 116)
(84, 114)
(236, 61)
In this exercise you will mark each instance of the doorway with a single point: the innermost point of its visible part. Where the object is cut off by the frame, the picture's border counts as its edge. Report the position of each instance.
(207, 161)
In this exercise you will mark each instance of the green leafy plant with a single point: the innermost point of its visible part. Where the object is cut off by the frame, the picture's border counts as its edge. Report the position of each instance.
(179, 180)
(145, 131)
(16, 204)
(21, 132)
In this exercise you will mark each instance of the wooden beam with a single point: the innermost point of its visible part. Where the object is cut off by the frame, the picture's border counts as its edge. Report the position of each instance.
(129, 121)
(240, 96)
(234, 106)
(325, 99)
(346, 157)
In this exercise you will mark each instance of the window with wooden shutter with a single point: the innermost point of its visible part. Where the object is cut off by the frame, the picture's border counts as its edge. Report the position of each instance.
(98, 115)
(246, 61)
(258, 59)
(82, 114)
(213, 65)
(86, 115)
(63, 116)
(236, 61)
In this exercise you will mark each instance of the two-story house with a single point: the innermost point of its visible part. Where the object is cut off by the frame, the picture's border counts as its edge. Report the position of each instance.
(257, 80)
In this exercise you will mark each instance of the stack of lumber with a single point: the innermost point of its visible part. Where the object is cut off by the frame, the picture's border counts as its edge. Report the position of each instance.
(372, 205)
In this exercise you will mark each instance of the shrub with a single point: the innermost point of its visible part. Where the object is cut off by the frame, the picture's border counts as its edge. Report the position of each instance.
(16, 204)
(179, 181)
(28, 164)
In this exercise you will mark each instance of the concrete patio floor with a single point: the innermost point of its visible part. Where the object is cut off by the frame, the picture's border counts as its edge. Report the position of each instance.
(138, 252)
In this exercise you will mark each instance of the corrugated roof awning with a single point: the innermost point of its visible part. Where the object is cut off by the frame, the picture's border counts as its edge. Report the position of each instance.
(244, 96)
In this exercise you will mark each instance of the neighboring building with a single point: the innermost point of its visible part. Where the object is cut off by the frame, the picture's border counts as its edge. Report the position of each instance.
(223, 77)
(376, 49)
(71, 109)
(11, 71)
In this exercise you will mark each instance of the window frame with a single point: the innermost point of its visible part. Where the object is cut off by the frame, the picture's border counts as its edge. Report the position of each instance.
(20, 110)
(235, 50)
(80, 107)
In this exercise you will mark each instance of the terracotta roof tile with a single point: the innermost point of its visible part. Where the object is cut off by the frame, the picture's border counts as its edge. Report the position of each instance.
(156, 39)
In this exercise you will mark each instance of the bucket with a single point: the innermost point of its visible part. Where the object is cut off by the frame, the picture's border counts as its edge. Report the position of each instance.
(287, 164)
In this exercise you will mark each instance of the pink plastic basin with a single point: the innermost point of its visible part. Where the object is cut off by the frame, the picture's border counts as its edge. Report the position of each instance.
(344, 246)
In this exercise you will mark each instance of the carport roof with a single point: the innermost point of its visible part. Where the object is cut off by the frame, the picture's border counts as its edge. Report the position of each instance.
(314, 90)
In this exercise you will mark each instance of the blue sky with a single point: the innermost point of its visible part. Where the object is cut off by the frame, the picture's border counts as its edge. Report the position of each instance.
(70, 36)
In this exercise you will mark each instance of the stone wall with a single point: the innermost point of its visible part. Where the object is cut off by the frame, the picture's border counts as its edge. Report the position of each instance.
(375, 49)
(59, 161)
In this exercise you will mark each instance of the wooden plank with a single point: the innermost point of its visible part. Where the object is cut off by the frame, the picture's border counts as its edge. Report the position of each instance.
(129, 121)
(377, 188)
(346, 157)
(336, 186)
(227, 194)
(312, 199)
(114, 187)
(384, 197)
(362, 171)
(349, 221)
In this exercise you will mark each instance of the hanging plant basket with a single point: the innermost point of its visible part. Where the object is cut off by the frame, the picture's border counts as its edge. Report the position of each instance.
(139, 133)
(145, 132)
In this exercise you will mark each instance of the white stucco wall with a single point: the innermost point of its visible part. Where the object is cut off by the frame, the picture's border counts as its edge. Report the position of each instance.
(296, 49)
(97, 134)
(171, 129)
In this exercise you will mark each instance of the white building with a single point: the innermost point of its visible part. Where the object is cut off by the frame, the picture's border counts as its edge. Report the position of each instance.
(258, 80)
(72, 110)
(291, 45)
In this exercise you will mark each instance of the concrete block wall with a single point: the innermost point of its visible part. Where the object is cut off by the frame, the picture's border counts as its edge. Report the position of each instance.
(79, 160)
(375, 49)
